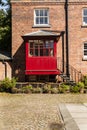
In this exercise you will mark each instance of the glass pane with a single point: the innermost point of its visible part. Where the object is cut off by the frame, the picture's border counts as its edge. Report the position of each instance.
(37, 20)
(46, 20)
(36, 47)
(36, 52)
(47, 44)
(85, 46)
(51, 52)
(41, 46)
(41, 13)
(41, 42)
(51, 44)
(85, 20)
(41, 20)
(31, 45)
(85, 52)
(47, 52)
(85, 11)
(41, 52)
(37, 12)
(31, 52)
(45, 12)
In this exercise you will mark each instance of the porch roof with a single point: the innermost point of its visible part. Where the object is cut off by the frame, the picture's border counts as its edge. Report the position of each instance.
(5, 56)
(43, 33)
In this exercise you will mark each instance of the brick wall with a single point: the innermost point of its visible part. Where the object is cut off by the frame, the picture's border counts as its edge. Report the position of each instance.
(2, 70)
(23, 21)
(77, 36)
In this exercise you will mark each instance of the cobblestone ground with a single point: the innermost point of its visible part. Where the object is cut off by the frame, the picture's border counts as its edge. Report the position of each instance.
(33, 111)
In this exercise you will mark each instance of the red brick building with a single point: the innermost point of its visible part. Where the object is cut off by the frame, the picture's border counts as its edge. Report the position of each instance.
(48, 36)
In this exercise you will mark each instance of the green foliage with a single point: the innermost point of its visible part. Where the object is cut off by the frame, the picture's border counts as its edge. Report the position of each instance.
(75, 89)
(47, 89)
(5, 27)
(37, 90)
(85, 80)
(64, 88)
(54, 90)
(16, 90)
(7, 85)
(80, 85)
(27, 89)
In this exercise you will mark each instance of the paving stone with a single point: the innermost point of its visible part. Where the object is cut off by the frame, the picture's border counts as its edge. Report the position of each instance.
(79, 114)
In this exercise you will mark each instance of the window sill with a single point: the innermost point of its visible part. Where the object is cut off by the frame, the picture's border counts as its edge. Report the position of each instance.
(41, 26)
(84, 26)
(84, 59)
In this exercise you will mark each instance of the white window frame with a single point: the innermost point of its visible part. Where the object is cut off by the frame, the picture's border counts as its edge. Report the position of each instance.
(84, 56)
(39, 24)
(84, 16)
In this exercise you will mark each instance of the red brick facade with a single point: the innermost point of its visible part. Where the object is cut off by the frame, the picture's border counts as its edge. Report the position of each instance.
(23, 21)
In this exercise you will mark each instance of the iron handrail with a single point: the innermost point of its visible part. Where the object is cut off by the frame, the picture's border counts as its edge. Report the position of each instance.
(74, 74)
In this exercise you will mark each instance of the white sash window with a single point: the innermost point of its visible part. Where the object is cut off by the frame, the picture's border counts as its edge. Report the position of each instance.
(85, 16)
(41, 17)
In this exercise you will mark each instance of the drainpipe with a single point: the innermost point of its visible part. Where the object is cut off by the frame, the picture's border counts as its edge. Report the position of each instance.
(67, 42)
(3, 62)
(63, 52)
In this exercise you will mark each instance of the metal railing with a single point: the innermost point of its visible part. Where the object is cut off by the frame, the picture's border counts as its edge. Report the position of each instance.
(75, 75)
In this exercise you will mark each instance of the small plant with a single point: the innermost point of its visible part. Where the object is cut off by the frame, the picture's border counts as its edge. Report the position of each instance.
(47, 89)
(85, 81)
(27, 89)
(14, 90)
(75, 89)
(7, 84)
(81, 87)
(64, 88)
(37, 90)
(80, 84)
(54, 90)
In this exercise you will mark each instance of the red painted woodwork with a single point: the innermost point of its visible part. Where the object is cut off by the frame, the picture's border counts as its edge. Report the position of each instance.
(41, 65)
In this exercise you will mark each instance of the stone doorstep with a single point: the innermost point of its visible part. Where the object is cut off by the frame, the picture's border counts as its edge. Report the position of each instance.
(67, 119)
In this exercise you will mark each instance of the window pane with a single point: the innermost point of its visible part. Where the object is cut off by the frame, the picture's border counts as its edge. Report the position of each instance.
(41, 52)
(31, 45)
(85, 46)
(85, 52)
(43, 48)
(85, 20)
(41, 16)
(47, 44)
(31, 52)
(41, 20)
(51, 44)
(51, 52)
(36, 52)
(37, 12)
(85, 49)
(47, 52)
(46, 13)
(46, 20)
(37, 20)
(85, 12)
(41, 12)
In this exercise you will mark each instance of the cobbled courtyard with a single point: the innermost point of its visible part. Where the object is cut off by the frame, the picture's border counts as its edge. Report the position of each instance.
(34, 111)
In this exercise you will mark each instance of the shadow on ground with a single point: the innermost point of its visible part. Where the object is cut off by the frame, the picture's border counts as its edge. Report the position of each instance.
(56, 126)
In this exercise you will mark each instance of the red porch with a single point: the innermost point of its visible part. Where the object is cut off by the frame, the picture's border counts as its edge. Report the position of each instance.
(41, 54)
